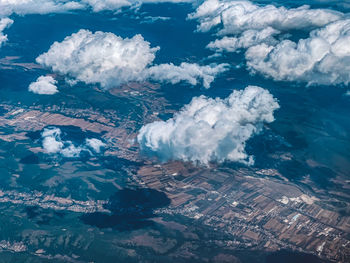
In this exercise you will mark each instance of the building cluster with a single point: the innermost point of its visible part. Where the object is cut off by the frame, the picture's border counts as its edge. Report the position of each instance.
(257, 212)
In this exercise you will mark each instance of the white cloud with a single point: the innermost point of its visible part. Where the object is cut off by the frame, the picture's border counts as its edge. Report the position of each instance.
(71, 151)
(95, 144)
(190, 73)
(23, 7)
(101, 5)
(239, 16)
(44, 85)
(323, 58)
(153, 19)
(167, 1)
(99, 57)
(4, 23)
(53, 144)
(247, 39)
(109, 60)
(211, 129)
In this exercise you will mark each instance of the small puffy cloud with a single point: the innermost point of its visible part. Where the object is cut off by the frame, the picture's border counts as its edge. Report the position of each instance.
(95, 144)
(53, 144)
(109, 60)
(4, 23)
(190, 73)
(323, 58)
(239, 16)
(23, 7)
(247, 39)
(209, 130)
(44, 85)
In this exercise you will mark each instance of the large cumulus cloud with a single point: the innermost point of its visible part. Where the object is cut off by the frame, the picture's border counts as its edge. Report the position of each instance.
(323, 58)
(99, 57)
(239, 16)
(110, 60)
(211, 129)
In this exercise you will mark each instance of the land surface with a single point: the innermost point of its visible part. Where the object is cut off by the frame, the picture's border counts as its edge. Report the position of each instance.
(59, 207)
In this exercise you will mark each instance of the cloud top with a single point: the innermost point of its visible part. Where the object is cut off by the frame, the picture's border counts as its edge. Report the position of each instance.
(239, 16)
(99, 57)
(211, 130)
(323, 58)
